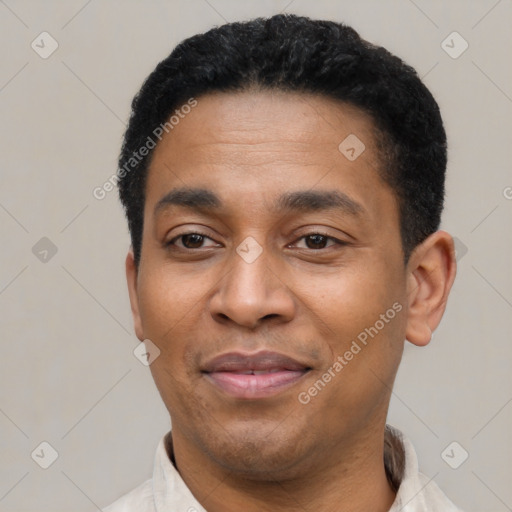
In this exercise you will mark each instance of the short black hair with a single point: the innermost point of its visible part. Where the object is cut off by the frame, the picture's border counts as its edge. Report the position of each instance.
(294, 53)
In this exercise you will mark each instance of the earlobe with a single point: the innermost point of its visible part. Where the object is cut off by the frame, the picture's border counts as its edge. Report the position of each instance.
(131, 278)
(431, 272)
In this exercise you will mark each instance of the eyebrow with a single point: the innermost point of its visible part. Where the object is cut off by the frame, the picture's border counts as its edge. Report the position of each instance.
(314, 200)
(300, 201)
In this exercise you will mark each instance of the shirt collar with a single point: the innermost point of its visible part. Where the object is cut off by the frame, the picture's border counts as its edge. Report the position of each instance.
(169, 489)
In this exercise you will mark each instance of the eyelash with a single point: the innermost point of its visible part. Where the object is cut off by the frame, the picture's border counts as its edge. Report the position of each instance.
(171, 242)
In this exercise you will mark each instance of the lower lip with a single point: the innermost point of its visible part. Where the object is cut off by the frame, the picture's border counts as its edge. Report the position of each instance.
(255, 386)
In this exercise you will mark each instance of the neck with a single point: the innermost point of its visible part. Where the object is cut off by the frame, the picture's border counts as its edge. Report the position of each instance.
(352, 479)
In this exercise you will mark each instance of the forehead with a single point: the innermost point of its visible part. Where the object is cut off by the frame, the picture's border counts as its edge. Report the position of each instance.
(261, 144)
(302, 121)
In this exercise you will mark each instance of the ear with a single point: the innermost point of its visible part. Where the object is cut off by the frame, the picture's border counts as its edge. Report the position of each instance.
(431, 271)
(131, 278)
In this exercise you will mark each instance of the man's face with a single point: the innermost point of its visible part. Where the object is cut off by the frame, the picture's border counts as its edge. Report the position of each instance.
(288, 255)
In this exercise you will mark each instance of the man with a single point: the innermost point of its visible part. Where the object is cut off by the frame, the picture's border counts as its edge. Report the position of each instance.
(283, 181)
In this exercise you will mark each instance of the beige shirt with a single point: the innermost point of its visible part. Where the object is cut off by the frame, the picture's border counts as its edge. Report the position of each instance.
(167, 492)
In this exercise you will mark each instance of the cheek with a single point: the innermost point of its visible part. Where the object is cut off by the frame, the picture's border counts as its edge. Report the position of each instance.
(169, 300)
(170, 306)
(354, 298)
(364, 311)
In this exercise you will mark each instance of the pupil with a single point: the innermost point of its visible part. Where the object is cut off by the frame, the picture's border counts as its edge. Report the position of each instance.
(317, 240)
(193, 240)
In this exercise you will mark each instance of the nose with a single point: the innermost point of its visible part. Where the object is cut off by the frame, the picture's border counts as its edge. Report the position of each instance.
(252, 293)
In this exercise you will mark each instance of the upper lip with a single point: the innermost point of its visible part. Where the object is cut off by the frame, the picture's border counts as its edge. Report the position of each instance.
(259, 361)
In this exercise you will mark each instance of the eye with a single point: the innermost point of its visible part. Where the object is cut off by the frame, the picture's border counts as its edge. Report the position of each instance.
(317, 241)
(194, 240)
(191, 241)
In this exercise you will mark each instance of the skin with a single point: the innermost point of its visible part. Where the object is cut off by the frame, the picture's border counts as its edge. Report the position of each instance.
(306, 301)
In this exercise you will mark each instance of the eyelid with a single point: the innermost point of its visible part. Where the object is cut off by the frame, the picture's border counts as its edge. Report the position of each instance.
(185, 233)
(322, 233)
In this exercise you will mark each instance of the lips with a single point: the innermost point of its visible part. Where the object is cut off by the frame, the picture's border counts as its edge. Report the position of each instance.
(253, 376)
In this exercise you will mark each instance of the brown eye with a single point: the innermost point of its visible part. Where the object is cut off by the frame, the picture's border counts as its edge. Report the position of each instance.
(192, 240)
(316, 241)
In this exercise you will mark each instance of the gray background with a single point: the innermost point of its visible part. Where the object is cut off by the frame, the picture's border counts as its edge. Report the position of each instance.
(68, 373)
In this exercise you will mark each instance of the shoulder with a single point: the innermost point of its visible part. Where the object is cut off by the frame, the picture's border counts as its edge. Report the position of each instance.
(139, 499)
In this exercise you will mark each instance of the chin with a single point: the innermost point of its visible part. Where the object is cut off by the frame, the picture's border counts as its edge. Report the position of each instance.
(258, 453)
